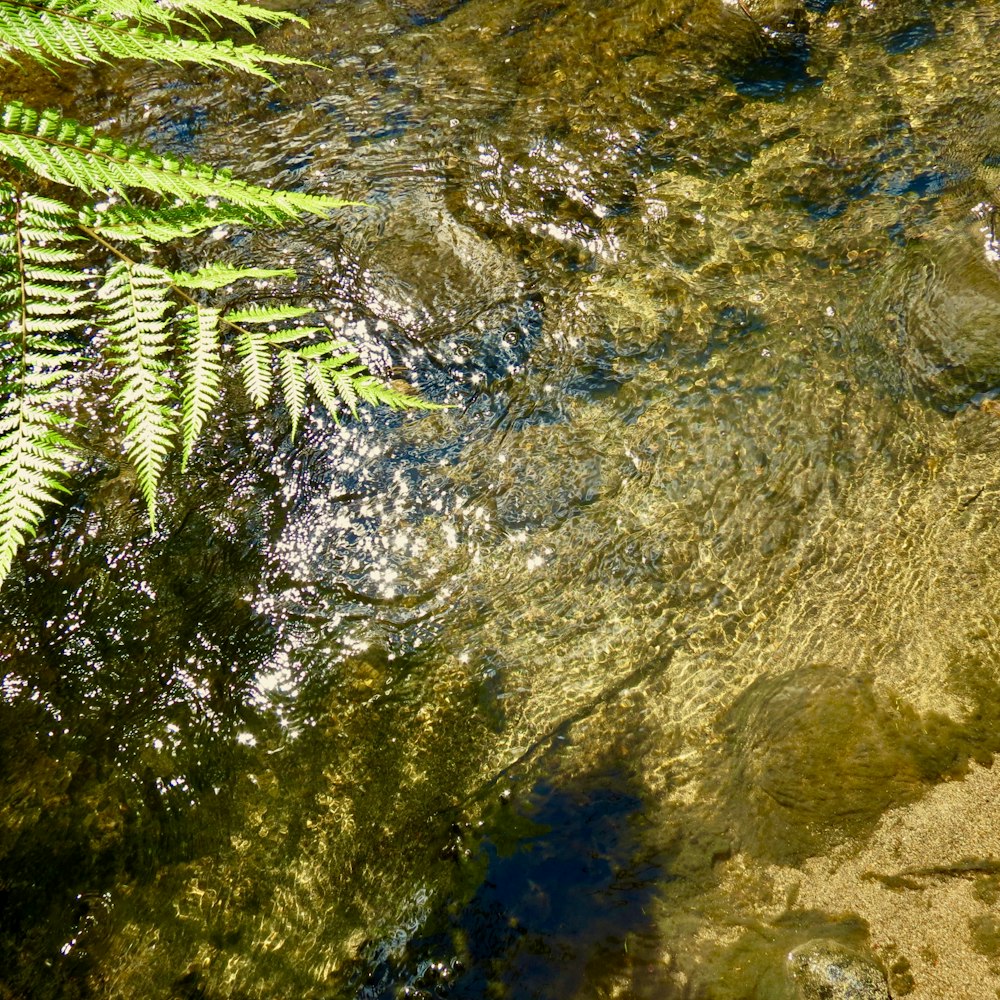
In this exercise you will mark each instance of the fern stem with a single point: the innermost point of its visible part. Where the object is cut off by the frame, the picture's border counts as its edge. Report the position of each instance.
(97, 238)
(176, 289)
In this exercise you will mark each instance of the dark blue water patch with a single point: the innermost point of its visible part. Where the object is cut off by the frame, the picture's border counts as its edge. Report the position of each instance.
(389, 115)
(897, 234)
(555, 892)
(903, 183)
(621, 207)
(614, 364)
(178, 130)
(733, 324)
(819, 6)
(482, 358)
(819, 210)
(822, 213)
(296, 162)
(601, 377)
(420, 19)
(394, 124)
(782, 70)
(894, 140)
(889, 172)
(911, 37)
(597, 382)
(924, 184)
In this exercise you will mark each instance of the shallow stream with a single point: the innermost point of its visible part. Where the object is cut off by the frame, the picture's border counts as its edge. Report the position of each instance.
(666, 662)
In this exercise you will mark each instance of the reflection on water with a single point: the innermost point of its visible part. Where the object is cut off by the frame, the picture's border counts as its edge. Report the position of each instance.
(613, 678)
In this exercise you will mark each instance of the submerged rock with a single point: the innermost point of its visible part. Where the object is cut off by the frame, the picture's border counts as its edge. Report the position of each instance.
(946, 324)
(823, 969)
(802, 955)
(816, 757)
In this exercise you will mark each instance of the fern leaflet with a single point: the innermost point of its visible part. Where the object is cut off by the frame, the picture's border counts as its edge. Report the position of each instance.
(200, 374)
(134, 224)
(242, 14)
(255, 365)
(39, 302)
(330, 365)
(270, 313)
(217, 276)
(293, 386)
(86, 33)
(375, 392)
(135, 305)
(324, 388)
(69, 153)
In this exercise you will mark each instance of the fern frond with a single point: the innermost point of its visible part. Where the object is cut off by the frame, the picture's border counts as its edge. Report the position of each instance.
(200, 374)
(39, 303)
(217, 276)
(343, 382)
(324, 388)
(336, 378)
(242, 14)
(267, 314)
(323, 348)
(293, 386)
(376, 392)
(135, 304)
(255, 365)
(69, 153)
(86, 33)
(292, 335)
(34, 456)
(135, 224)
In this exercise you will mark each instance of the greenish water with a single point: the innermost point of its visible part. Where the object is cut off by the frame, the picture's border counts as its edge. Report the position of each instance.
(699, 576)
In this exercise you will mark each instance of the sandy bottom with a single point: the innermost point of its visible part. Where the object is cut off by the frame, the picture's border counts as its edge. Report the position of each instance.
(928, 884)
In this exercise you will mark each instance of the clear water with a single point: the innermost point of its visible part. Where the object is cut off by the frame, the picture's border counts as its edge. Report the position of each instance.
(693, 584)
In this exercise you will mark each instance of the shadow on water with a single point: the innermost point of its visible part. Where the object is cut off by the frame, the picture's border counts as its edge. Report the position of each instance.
(125, 678)
(560, 883)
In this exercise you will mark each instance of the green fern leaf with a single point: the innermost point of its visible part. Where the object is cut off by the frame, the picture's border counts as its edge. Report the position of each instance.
(38, 304)
(135, 304)
(200, 374)
(68, 153)
(85, 33)
(266, 314)
(34, 456)
(293, 335)
(255, 365)
(322, 348)
(242, 14)
(375, 392)
(343, 382)
(219, 275)
(293, 386)
(134, 224)
(324, 388)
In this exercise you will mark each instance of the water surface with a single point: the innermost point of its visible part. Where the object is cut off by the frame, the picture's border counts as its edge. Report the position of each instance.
(554, 693)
